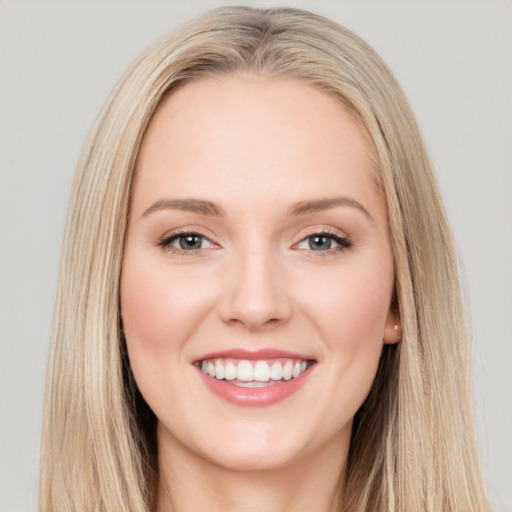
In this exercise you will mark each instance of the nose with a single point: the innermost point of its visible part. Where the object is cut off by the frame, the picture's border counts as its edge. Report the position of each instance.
(255, 294)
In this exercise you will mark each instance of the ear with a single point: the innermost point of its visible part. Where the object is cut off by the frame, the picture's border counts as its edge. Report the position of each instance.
(392, 329)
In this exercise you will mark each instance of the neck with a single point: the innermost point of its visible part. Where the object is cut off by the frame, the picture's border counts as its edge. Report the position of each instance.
(189, 483)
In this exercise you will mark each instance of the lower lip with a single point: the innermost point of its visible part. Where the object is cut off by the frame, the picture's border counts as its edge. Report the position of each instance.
(254, 397)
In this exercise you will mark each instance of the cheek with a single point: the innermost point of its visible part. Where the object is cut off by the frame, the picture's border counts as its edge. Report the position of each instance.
(350, 311)
(159, 305)
(351, 307)
(161, 308)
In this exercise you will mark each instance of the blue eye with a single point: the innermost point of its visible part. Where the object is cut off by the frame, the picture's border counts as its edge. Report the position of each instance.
(324, 242)
(320, 242)
(188, 242)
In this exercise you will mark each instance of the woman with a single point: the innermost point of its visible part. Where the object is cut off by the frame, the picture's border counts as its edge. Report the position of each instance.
(249, 316)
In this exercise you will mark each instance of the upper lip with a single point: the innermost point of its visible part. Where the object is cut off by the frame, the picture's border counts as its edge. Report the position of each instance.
(254, 355)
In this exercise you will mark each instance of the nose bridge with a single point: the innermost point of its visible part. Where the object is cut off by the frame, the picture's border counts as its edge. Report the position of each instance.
(255, 294)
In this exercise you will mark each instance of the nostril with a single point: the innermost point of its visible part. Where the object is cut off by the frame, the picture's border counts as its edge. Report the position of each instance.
(253, 323)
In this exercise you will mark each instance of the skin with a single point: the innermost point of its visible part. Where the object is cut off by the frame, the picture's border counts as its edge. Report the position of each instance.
(255, 147)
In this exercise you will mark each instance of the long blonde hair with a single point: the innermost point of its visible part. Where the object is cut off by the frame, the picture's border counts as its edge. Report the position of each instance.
(413, 445)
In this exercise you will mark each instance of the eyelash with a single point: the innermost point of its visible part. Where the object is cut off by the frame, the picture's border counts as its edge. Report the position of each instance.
(166, 242)
(342, 243)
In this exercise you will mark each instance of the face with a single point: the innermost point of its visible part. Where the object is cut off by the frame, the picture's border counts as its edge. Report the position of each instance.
(258, 274)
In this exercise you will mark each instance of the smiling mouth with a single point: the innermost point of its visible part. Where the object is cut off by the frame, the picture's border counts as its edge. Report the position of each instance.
(254, 374)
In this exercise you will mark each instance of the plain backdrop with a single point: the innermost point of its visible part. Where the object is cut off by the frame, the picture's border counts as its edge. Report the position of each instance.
(59, 60)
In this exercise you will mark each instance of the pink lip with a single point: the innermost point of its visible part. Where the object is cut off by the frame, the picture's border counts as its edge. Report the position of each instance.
(253, 397)
(243, 353)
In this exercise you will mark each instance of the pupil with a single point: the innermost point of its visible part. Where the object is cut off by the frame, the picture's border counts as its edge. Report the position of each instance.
(190, 242)
(320, 242)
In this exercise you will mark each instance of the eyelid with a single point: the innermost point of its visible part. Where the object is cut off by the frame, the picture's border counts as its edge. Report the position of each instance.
(165, 242)
(343, 242)
(174, 238)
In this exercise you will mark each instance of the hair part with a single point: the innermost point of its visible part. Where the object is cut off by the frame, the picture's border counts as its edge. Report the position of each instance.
(413, 444)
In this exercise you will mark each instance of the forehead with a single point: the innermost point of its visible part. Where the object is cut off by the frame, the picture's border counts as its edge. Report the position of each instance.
(245, 133)
(256, 90)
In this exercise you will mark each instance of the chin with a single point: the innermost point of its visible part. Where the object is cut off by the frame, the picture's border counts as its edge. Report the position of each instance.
(257, 446)
(252, 458)
(240, 445)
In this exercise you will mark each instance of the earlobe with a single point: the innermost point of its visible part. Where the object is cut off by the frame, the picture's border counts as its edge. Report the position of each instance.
(393, 329)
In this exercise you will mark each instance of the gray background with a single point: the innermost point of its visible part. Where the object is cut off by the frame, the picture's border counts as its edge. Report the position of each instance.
(58, 62)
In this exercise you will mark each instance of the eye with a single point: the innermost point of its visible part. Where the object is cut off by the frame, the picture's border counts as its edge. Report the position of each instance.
(186, 242)
(324, 242)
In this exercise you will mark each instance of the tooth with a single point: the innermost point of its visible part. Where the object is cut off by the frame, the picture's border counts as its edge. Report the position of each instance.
(230, 371)
(219, 370)
(244, 371)
(288, 370)
(276, 371)
(262, 371)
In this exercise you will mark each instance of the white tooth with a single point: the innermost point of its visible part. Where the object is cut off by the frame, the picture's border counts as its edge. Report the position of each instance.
(244, 371)
(296, 370)
(303, 366)
(219, 370)
(276, 372)
(230, 371)
(211, 369)
(204, 367)
(288, 370)
(261, 371)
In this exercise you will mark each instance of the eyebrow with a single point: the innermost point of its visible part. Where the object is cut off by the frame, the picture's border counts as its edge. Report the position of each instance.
(318, 205)
(189, 205)
(208, 208)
